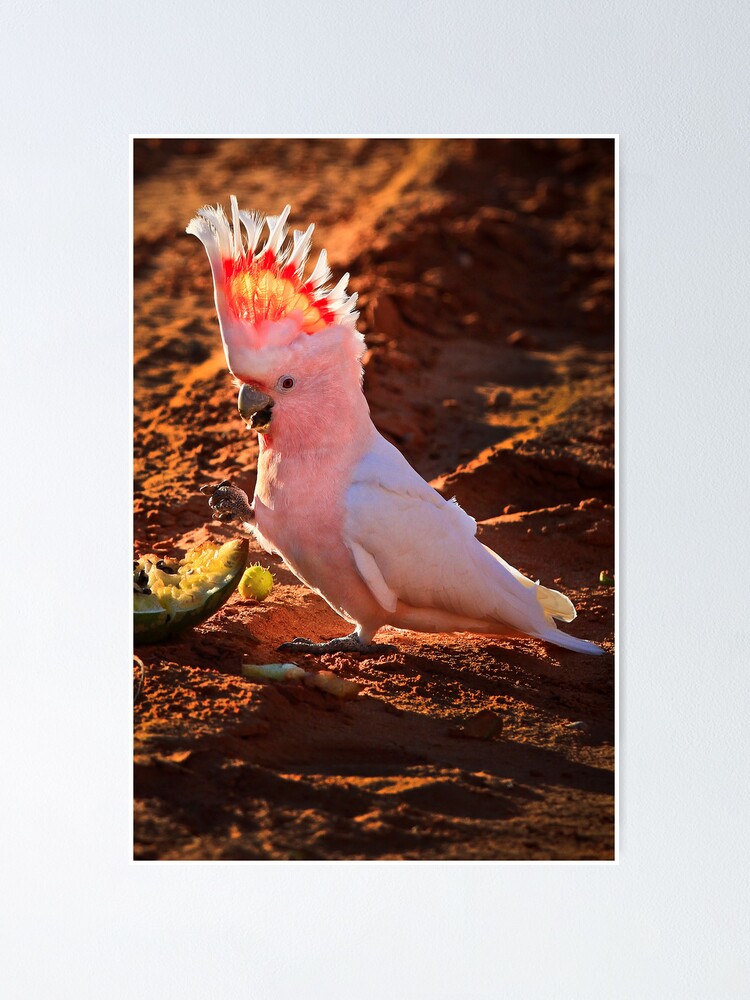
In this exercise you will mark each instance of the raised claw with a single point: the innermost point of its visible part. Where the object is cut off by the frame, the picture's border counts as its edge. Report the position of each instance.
(210, 488)
(228, 502)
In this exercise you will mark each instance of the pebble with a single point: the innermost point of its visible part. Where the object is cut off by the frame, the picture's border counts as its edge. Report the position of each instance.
(485, 725)
(520, 338)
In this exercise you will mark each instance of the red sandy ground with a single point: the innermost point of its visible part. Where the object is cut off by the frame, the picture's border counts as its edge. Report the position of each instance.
(485, 271)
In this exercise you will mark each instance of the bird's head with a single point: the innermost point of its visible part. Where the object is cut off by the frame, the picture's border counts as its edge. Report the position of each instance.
(304, 390)
(290, 341)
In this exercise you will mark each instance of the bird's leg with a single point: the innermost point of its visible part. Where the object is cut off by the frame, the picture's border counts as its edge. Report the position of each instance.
(345, 644)
(228, 502)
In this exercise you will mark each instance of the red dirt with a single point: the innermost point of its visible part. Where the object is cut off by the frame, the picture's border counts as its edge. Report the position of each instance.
(485, 270)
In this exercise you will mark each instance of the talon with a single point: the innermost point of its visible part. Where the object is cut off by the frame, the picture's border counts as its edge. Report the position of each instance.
(227, 501)
(294, 644)
(210, 488)
(345, 644)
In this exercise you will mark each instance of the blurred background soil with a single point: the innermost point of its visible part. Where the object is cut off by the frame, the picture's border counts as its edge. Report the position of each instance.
(485, 270)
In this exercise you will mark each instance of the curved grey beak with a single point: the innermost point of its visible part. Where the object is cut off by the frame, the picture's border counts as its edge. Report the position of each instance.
(255, 407)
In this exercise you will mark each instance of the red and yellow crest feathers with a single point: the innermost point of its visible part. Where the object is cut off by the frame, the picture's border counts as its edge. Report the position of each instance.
(260, 284)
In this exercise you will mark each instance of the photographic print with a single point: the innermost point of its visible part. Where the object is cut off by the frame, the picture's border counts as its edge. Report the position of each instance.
(374, 499)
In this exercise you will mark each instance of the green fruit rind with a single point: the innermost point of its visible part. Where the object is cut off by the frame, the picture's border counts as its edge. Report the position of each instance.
(150, 626)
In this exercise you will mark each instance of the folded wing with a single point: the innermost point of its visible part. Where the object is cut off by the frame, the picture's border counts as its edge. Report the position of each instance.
(411, 545)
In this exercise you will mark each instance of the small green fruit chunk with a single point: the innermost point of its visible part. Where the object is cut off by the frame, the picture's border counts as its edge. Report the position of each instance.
(256, 583)
(606, 579)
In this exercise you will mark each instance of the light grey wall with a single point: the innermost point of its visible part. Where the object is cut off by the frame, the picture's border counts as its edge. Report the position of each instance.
(671, 919)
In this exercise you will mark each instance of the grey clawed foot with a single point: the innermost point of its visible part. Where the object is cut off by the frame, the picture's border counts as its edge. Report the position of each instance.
(228, 502)
(345, 644)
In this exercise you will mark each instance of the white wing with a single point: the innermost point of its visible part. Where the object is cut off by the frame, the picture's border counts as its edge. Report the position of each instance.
(411, 545)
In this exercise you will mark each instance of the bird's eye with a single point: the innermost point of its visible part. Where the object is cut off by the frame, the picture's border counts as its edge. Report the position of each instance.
(286, 382)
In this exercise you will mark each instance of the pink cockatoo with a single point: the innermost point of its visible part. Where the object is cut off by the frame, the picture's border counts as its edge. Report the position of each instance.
(340, 504)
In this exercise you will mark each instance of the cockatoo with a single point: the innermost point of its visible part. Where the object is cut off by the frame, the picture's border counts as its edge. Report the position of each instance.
(340, 504)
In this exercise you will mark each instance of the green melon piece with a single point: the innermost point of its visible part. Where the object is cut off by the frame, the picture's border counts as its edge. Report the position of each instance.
(204, 580)
(148, 615)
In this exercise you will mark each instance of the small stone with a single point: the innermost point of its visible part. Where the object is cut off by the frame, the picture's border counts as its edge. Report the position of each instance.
(520, 338)
(500, 399)
(485, 725)
(577, 726)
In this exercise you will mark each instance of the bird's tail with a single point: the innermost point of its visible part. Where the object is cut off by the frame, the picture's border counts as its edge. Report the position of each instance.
(558, 606)
(555, 604)
(551, 634)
